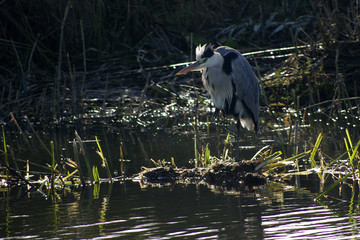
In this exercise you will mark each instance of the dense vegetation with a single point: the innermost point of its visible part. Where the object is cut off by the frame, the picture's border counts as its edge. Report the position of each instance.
(50, 50)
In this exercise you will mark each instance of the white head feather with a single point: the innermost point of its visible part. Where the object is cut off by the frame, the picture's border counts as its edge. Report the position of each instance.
(200, 51)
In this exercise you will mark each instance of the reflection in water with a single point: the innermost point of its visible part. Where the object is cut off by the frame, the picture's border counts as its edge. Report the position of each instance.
(315, 222)
(126, 211)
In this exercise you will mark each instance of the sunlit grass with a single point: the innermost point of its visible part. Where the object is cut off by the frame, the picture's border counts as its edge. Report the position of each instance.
(104, 160)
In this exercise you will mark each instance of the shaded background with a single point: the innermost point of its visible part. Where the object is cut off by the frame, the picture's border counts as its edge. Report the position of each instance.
(50, 48)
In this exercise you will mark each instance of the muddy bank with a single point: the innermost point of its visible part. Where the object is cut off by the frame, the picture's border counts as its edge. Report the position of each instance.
(224, 174)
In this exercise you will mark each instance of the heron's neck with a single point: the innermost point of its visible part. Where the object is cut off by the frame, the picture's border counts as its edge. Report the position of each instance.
(216, 60)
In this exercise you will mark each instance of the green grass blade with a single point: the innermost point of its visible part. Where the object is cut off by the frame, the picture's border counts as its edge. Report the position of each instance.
(84, 154)
(207, 156)
(4, 139)
(95, 173)
(5, 151)
(52, 164)
(226, 143)
(121, 160)
(98, 144)
(96, 190)
(347, 147)
(349, 138)
(173, 162)
(314, 150)
(104, 160)
(76, 158)
(355, 149)
(300, 155)
(271, 159)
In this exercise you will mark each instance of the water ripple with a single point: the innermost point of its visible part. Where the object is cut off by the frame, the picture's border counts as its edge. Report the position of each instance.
(314, 222)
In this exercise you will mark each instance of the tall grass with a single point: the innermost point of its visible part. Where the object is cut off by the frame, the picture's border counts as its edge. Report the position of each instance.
(53, 166)
(35, 41)
(104, 160)
(6, 156)
(351, 169)
(314, 151)
(121, 160)
(85, 156)
(77, 161)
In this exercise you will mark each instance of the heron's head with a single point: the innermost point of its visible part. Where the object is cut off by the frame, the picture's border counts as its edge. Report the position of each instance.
(205, 57)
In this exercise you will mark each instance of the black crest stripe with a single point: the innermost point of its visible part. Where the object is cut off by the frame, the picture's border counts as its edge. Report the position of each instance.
(208, 52)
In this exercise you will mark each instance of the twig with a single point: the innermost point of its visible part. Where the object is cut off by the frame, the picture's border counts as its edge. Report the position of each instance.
(17, 56)
(143, 93)
(61, 41)
(21, 131)
(15, 174)
(330, 101)
(58, 74)
(84, 56)
(32, 53)
(37, 135)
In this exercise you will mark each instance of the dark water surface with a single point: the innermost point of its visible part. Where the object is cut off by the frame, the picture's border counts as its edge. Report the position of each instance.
(126, 211)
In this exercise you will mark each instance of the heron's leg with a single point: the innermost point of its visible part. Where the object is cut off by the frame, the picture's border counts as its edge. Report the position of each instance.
(238, 126)
(217, 114)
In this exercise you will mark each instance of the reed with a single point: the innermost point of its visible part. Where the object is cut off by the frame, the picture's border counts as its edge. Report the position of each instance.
(5, 150)
(104, 160)
(37, 135)
(226, 150)
(197, 158)
(77, 160)
(352, 152)
(96, 188)
(13, 119)
(53, 166)
(205, 158)
(314, 150)
(12, 156)
(29, 43)
(121, 161)
(84, 154)
(95, 173)
(338, 165)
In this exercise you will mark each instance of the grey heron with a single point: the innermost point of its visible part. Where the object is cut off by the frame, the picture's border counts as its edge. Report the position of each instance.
(231, 83)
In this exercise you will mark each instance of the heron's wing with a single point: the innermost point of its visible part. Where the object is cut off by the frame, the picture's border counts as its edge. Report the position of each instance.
(243, 78)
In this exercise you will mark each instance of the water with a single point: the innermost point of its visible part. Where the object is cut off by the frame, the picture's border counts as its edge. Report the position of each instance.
(127, 211)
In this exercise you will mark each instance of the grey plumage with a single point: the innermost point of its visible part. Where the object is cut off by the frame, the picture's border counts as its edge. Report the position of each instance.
(233, 86)
(231, 83)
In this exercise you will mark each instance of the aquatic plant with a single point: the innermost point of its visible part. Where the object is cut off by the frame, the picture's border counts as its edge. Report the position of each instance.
(5, 150)
(76, 162)
(53, 166)
(96, 174)
(121, 160)
(351, 170)
(85, 157)
(104, 160)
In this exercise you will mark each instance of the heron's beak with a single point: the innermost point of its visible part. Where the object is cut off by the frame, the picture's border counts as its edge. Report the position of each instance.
(192, 67)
